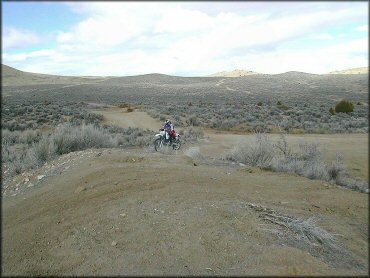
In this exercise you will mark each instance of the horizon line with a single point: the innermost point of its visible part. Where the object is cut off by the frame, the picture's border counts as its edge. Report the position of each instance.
(209, 75)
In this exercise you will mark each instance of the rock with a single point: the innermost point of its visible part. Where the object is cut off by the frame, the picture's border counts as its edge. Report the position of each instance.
(114, 243)
(40, 177)
(241, 164)
(30, 185)
(26, 180)
(99, 154)
(116, 183)
(123, 214)
(195, 164)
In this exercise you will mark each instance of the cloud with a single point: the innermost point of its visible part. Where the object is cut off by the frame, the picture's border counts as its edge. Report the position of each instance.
(27, 55)
(127, 38)
(322, 37)
(14, 38)
(362, 28)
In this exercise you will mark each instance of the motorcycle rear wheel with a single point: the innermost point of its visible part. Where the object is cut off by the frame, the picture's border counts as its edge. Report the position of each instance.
(176, 145)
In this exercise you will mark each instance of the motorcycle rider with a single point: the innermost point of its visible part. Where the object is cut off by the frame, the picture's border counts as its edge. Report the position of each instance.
(170, 129)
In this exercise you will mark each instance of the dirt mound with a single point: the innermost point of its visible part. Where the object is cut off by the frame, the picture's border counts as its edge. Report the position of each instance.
(115, 212)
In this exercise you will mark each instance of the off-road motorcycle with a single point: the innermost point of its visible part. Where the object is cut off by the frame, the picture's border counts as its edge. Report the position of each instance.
(163, 139)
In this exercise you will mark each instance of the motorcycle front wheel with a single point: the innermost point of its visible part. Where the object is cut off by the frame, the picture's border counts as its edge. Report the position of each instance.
(158, 144)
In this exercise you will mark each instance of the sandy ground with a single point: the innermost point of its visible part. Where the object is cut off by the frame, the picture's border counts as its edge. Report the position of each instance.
(137, 212)
(120, 117)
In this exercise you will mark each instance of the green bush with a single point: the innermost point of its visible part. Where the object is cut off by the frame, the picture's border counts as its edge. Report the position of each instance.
(344, 106)
(332, 110)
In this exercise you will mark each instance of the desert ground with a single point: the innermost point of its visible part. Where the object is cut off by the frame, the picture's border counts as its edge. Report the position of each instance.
(128, 210)
(354, 147)
(136, 212)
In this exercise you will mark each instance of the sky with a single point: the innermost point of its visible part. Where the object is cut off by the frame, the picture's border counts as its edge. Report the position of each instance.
(183, 38)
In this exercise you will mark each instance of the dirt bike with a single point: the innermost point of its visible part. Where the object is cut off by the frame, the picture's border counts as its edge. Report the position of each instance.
(162, 141)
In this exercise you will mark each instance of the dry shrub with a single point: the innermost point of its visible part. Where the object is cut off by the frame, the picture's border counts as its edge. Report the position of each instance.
(69, 138)
(258, 154)
(192, 134)
(307, 161)
(43, 151)
(123, 105)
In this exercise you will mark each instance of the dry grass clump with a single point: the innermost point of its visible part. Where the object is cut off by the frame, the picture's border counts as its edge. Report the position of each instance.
(43, 151)
(29, 149)
(192, 134)
(307, 161)
(69, 138)
(258, 154)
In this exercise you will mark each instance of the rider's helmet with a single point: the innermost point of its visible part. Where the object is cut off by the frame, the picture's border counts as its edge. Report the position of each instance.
(167, 121)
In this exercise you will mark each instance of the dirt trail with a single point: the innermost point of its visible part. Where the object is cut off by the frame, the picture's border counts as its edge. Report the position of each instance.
(222, 81)
(136, 212)
(121, 118)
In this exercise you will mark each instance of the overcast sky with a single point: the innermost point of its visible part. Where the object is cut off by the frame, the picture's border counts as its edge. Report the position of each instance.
(186, 39)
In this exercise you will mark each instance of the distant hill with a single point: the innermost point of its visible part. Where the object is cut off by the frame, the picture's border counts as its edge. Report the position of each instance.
(14, 77)
(294, 74)
(234, 73)
(363, 70)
